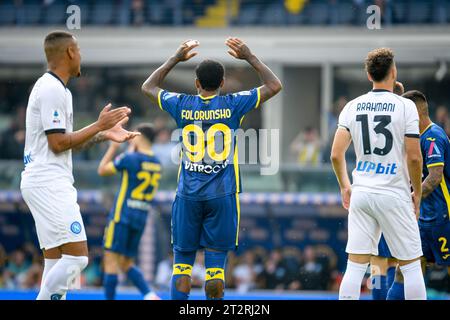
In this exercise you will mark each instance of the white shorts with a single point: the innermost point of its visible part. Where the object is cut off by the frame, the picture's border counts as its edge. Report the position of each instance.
(371, 214)
(56, 214)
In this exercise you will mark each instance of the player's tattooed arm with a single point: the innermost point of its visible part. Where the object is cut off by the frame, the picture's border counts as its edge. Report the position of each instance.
(152, 86)
(116, 134)
(99, 137)
(109, 121)
(432, 181)
(271, 84)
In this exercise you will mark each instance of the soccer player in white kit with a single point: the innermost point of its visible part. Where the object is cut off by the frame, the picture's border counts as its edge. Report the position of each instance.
(384, 129)
(47, 180)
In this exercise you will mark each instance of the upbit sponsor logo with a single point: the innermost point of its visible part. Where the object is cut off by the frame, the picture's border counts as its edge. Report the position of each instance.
(377, 168)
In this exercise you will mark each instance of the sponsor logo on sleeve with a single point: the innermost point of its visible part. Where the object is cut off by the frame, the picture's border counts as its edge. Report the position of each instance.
(56, 119)
(433, 150)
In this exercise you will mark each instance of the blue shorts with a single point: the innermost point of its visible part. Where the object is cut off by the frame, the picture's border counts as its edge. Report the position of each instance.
(383, 249)
(436, 243)
(122, 238)
(210, 224)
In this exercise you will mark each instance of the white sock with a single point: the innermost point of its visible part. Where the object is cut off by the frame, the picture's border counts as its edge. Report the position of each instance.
(60, 276)
(48, 265)
(414, 282)
(351, 283)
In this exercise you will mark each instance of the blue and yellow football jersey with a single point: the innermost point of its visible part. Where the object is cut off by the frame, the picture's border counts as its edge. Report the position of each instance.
(436, 152)
(209, 158)
(139, 184)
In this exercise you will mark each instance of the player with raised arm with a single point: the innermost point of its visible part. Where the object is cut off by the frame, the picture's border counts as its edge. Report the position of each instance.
(434, 223)
(384, 129)
(140, 171)
(47, 180)
(206, 209)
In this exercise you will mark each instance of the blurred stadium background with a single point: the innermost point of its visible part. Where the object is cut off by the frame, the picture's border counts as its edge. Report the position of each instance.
(293, 230)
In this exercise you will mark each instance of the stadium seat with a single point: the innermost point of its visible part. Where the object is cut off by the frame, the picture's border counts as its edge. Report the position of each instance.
(248, 15)
(54, 13)
(124, 12)
(419, 12)
(156, 12)
(318, 13)
(7, 13)
(400, 10)
(440, 12)
(32, 13)
(274, 15)
(103, 12)
(346, 13)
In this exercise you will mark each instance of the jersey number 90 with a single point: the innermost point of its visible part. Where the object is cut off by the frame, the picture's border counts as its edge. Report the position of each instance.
(196, 151)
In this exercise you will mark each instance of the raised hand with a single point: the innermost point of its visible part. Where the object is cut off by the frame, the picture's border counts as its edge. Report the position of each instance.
(118, 134)
(238, 49)
(109, 118)
(184, 53)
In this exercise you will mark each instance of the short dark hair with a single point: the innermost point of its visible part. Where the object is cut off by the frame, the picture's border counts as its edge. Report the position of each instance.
(379, 62)
(415, 96)
(53, 41)
(147, 131)
(419, 100)
(210, 74)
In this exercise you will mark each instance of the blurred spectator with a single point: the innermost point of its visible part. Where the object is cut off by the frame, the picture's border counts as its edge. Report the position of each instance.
(164, 272)
(275, 271)
(386, 11)
(244, 273)
(93, 272)
(292, 257)
(306, 147)
(17, 268)
(441, 116)
(312, 271)
(333, 116)
(163, 147)
(137, 9)
(3, 258)
(12, 140)
(438, 278)
(198, 270)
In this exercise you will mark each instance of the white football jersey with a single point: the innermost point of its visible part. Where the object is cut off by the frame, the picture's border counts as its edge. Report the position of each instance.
(49, 110)
(378, 123)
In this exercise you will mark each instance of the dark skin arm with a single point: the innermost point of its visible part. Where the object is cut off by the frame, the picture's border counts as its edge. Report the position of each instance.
(152, 86)
(107, 127)
(432, 181)
(271, 84)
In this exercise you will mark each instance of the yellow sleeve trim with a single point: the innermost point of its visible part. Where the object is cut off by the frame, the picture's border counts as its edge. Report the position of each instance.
(112, 167)
(159, 99)
(437, 164)
(259, 98)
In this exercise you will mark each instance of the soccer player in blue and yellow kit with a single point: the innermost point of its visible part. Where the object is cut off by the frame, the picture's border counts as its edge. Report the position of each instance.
(141, 172)
(205, 212)
(434, 223)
